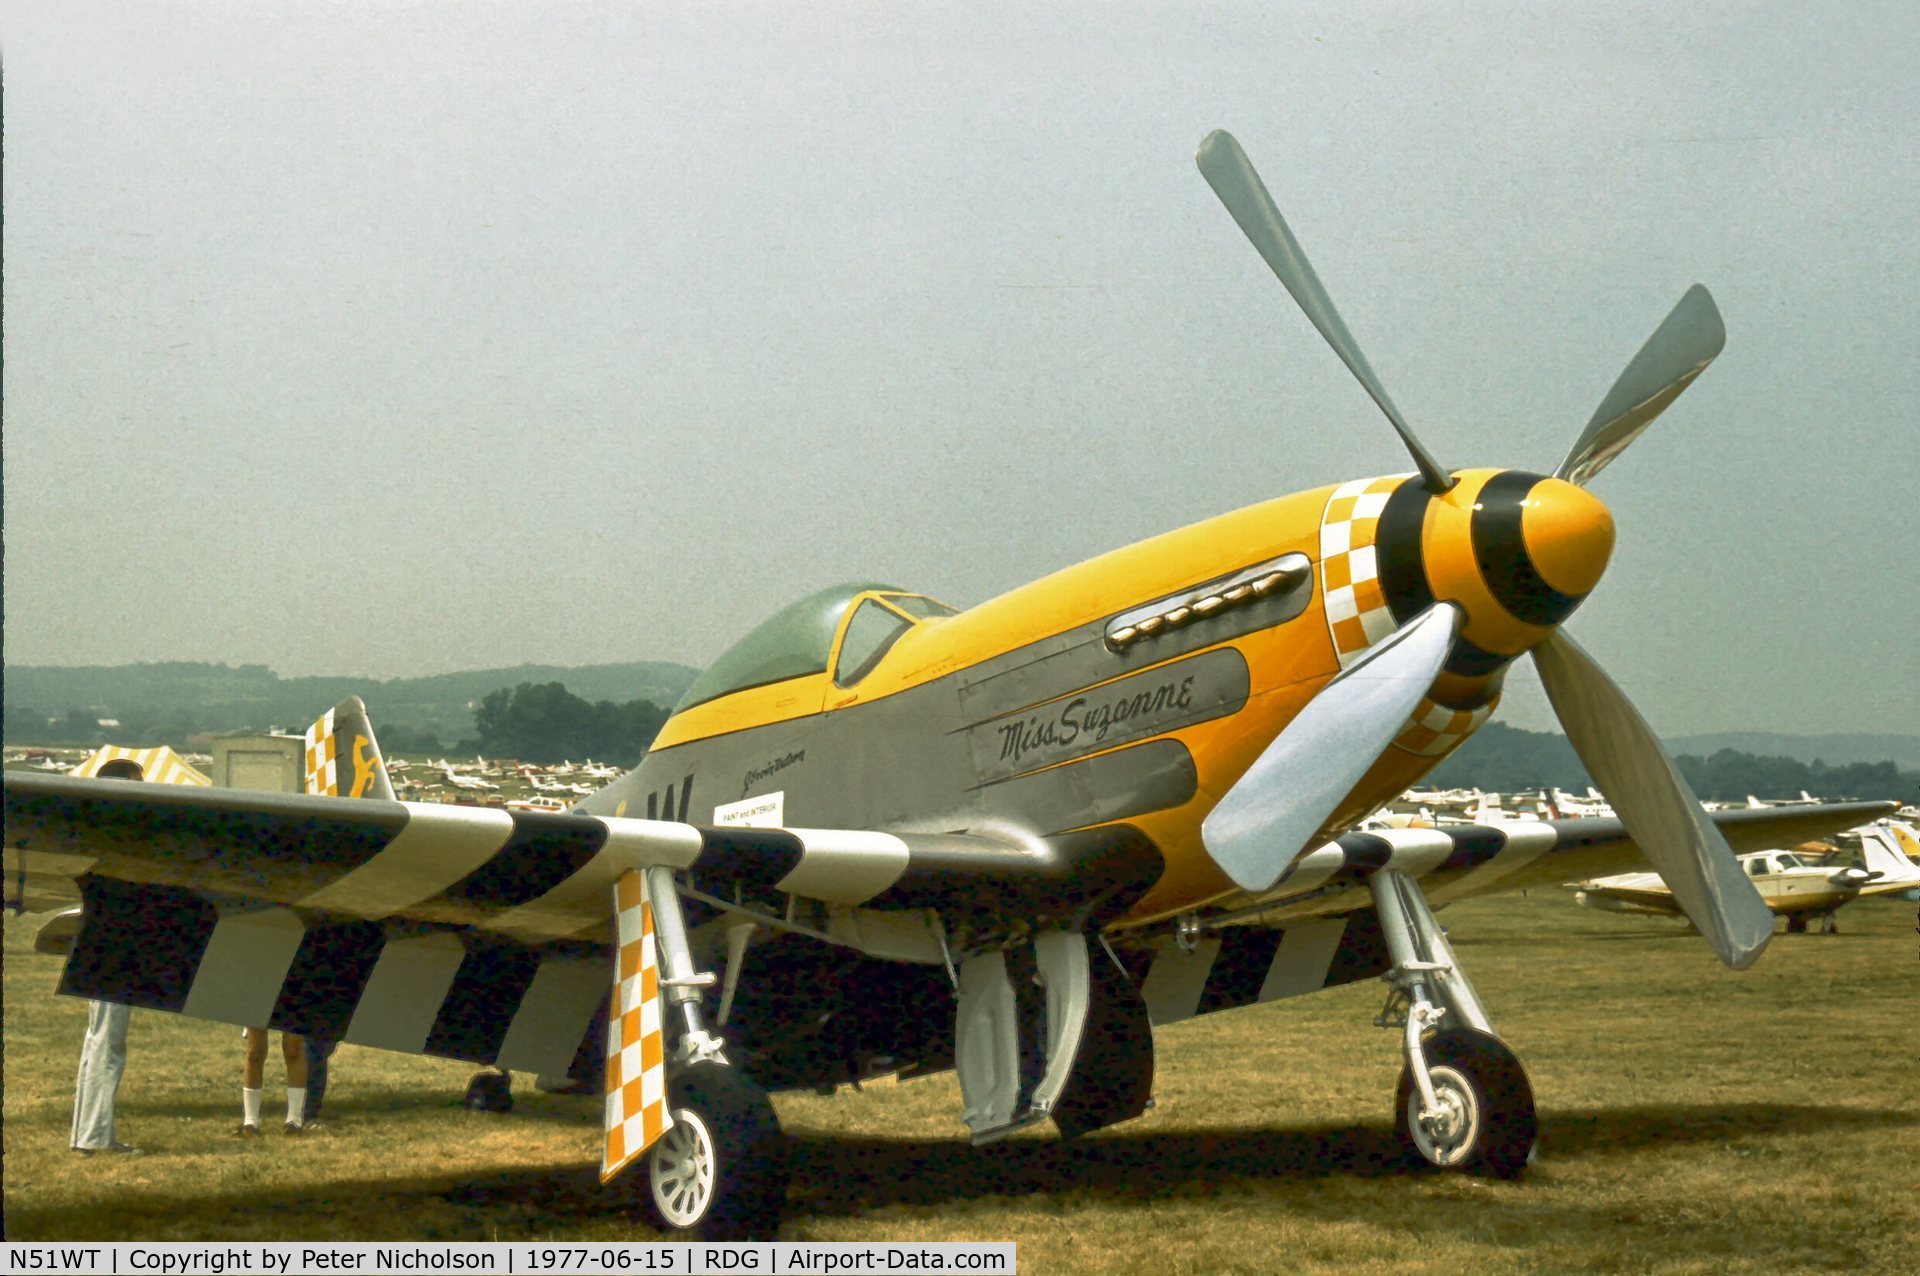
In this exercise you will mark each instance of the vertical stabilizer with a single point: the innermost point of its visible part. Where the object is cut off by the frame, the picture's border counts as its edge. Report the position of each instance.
(1882, 851)
(343, 759)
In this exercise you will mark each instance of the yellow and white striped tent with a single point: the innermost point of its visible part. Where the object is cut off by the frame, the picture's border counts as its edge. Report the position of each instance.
(158, 765)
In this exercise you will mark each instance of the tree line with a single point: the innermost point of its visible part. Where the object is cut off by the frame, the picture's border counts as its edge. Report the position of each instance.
(1507, 759)
(533, 722)
(544, 722)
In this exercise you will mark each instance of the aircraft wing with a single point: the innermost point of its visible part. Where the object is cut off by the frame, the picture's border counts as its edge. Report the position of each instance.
(529, 876)
(1456, 861)
(540, 876)
(1629, 893)
(469, 932)
(481, 934)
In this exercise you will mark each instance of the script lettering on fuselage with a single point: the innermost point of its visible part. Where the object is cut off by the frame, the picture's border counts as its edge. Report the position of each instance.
(1096, 718)
(756, 774)
(1136, 707)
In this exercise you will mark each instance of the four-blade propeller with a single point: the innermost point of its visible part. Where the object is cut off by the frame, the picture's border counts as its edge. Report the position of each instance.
(1254, 832)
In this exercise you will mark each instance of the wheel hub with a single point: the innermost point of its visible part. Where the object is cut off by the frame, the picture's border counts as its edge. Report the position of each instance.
(681, 1170)
(1446, 1136)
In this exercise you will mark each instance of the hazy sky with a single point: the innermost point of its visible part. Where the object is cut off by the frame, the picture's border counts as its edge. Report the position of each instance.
(395, 338)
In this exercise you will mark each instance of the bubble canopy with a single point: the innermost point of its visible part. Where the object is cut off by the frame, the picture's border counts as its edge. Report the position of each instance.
(795, 641)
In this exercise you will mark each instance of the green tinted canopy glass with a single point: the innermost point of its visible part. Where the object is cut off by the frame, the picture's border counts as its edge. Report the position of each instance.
(792, 643)
(870, 635)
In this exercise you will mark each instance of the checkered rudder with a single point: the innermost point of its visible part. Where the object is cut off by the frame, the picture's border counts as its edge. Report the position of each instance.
(323, 757)
(636, 1098)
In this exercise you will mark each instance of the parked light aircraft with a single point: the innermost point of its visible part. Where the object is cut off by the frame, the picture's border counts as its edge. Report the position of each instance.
(1441, 797)
(1792, 888)
(550, 804)
(471, 782)
(1804, 798)
(1573, 808)
(879, 834)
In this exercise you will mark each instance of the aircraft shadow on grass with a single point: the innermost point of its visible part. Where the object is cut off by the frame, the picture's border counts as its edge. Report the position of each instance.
(849, 1177)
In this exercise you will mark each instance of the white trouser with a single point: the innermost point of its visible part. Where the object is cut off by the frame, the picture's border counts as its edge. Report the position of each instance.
(102, 1059)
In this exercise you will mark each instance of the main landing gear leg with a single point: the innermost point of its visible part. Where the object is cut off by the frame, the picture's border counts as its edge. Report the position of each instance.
(1464, 1101)
(720, 1172)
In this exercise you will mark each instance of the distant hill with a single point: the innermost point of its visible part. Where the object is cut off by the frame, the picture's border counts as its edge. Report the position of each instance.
(167, 702)
(1511, 760)
(1834, 750)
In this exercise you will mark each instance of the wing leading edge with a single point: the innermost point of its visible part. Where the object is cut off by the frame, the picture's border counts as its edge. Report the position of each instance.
(528, 876)
(1476, 859)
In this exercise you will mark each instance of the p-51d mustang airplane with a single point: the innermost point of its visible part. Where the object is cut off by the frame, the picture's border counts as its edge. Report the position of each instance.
(879, 834)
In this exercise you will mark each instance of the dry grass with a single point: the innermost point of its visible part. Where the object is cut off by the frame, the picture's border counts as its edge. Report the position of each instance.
(1695, 1121)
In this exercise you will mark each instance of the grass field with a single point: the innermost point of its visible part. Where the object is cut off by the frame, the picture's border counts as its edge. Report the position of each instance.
(1694, 1121)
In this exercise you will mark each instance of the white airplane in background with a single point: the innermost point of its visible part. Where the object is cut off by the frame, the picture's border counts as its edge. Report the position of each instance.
(1790, 887)
(1899, 845)
(1805, 799)
(551, 806)
(459, 781)
(1439, 797)
(1488, 810)
(1573, 808)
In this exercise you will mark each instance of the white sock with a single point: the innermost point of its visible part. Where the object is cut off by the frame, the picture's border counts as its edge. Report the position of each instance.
(250, 1105)
(296, 1105)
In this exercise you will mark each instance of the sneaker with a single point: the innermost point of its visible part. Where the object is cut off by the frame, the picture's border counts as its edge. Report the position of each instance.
(248, 1131)
(294, 1127)
(124, 1149)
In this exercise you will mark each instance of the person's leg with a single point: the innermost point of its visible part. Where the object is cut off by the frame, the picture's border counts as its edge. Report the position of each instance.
(319, 1052)
(255, 1073)
(252, 1077)
(293, 1050)
(103, 1060)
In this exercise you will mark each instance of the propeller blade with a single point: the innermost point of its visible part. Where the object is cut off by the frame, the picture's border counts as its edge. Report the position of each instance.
(1271, 813)
(1653, 801)
(1232, 176)
(1678, 351)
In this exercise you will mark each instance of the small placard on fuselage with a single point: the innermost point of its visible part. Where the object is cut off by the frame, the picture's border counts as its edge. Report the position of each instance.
(766, 811)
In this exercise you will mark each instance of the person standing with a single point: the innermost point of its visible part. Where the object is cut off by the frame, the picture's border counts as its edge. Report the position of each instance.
(103, 1060)
(253, 1077)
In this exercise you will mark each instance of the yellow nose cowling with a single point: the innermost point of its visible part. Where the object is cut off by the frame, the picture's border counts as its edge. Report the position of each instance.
(1568, 534)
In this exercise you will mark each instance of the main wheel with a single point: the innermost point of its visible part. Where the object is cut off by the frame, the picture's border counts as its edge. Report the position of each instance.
(1487, 1123)
(720, 1173)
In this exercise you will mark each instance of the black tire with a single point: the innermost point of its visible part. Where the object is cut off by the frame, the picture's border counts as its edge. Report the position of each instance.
(1797, 924)
(1481, 1075)
(724, 1120)
(489, 1092)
